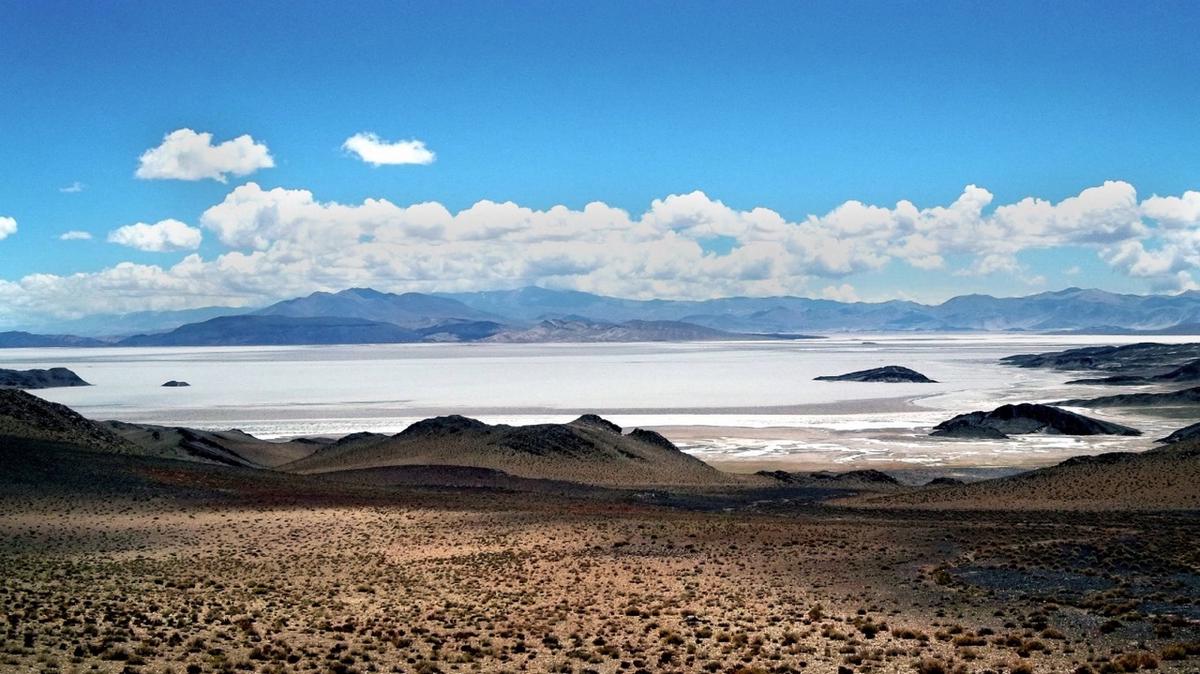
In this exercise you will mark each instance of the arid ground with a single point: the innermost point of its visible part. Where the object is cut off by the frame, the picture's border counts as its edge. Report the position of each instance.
(187, 568)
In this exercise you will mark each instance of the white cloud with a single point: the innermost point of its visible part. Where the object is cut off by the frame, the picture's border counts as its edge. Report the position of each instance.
(74, 188)
(187, 155)
(75, 235)
(377, 152)
(8, 226)
(285, 242)
(162, 236)
(1181, 211)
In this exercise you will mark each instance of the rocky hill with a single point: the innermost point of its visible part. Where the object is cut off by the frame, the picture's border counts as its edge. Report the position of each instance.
(231, 448)
(588, 450)
(888, 374)
(1024, 418)
(26, 420)
(1185, 397)
(54, 377)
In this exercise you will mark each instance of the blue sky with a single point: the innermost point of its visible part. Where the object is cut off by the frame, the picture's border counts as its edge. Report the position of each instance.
(794, 107)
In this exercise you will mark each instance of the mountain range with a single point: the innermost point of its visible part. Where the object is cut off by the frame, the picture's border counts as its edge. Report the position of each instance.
(532, 314)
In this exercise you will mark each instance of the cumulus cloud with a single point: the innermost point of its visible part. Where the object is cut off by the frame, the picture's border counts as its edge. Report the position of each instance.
(75, 235)
(162, 236)
(377, 152)
(1182, 211)
(8, 226)
(283, 242)
(187, 155)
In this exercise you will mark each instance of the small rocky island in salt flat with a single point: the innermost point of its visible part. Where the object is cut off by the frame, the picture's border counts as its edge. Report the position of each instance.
(889, 374)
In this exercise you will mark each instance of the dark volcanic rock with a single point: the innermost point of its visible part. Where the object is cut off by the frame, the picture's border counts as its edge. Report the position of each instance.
(867, 476)
(1188, 396)
(1128, 359)
(597, 421)
(944, 482)
(651, 438)
(1184, 373)
(176, 384)
(447, 425)
(1186, 433)
(31, 379)
(891, 374)
(1026, 418)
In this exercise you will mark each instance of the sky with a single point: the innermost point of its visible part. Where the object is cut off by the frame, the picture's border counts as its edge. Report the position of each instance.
(172, 155)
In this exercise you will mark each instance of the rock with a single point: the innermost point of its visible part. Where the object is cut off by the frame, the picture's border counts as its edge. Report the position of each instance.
(596, 421)
(54, 377)
(944, 482)
(866, 476)
(447, 425)
(889, 374)
(1026, 418)
(652, 438)
(176, 384)
(1126, 359)
(1184, 373)
(1187, 396)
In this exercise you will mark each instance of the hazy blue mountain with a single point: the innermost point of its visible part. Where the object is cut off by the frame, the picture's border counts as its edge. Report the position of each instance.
(122, 325)
(1073, 309)
(18, 340)
(277, 330)
(407, 310)
(583, 330)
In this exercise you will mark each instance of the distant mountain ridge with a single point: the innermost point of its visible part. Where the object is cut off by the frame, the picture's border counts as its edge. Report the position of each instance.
(537, 314)
(1072, 309)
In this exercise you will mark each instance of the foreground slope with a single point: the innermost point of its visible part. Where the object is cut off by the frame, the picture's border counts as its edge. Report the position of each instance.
(28, 421)
(1165, 478)
(589, 450)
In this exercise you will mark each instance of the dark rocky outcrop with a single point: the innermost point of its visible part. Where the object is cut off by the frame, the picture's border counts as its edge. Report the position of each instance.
(1136, 359)
(1026, 418)
(1184, 373)
(598, 421)
(944, 482)
(1186, 433)
(451, 424)
(867, 476)
(54, 377)
(176, 384)
(890, 374)
(652, 438)
(1187, 396)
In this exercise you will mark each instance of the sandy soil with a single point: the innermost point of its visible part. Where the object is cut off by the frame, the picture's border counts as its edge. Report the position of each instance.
(236, 578)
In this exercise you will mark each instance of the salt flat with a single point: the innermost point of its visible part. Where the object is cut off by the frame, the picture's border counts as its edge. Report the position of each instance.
(747, 404)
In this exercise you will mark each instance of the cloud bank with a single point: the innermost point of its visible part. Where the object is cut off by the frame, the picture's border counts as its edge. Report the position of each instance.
(187, 155)
(378, 152)
(283, 242)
